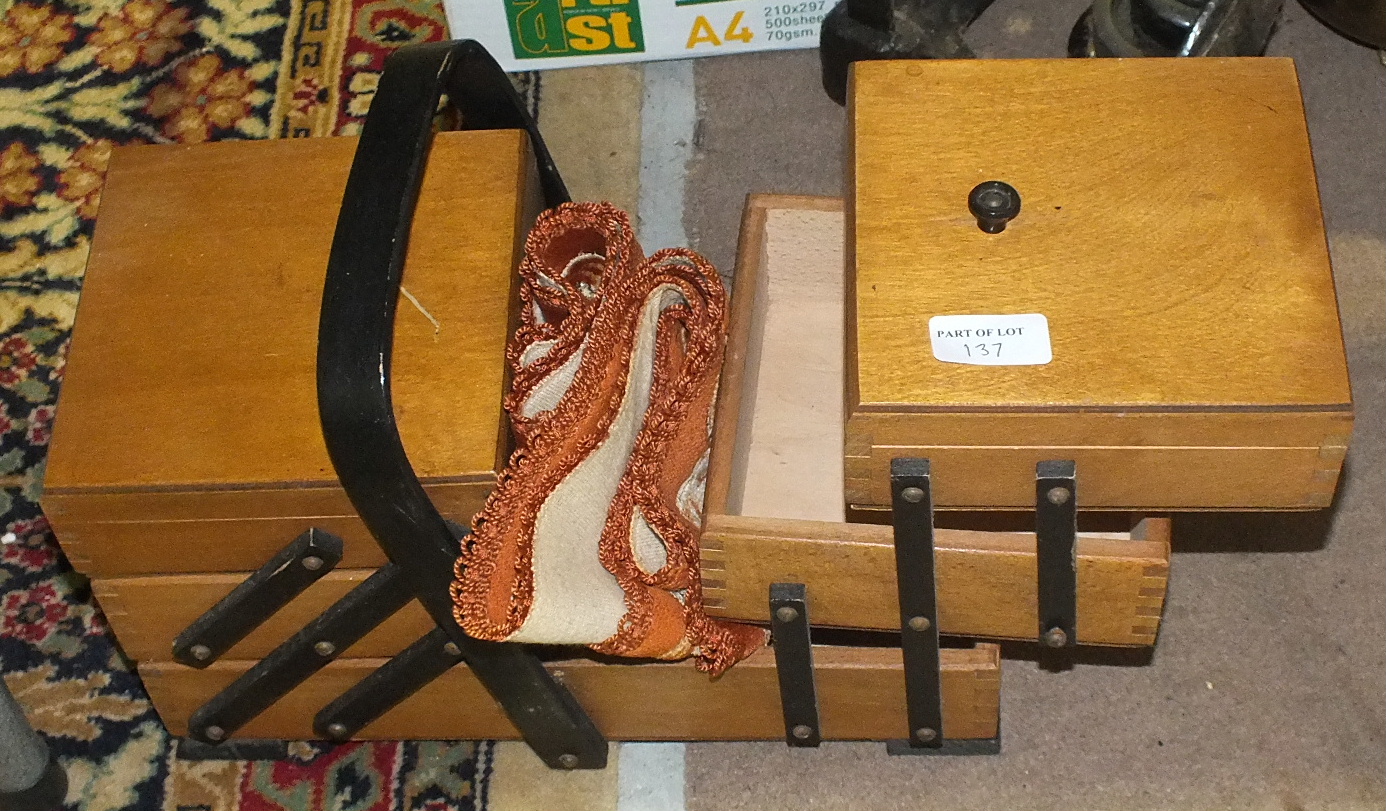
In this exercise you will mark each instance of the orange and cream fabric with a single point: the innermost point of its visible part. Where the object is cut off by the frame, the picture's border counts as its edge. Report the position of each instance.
(591, 535)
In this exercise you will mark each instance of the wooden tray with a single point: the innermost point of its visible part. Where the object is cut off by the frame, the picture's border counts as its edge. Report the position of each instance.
(861, 696)
(775, 507)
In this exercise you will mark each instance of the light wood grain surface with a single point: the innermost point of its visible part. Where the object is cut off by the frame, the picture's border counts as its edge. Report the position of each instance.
(192, 359)
(986, 581)
(112, 535)
(860, 692)
(1171, 233)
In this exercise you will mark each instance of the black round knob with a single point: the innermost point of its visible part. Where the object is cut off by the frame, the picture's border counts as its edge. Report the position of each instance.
(994, 204)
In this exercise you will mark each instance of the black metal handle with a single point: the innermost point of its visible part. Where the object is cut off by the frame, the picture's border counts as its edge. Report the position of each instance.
(355, 334)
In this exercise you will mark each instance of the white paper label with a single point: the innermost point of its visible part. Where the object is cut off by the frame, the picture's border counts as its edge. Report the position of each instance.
(991, 340)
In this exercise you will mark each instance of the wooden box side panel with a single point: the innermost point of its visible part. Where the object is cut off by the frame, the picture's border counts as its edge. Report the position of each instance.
(1132, 477)
(986, 580)
(861, 697)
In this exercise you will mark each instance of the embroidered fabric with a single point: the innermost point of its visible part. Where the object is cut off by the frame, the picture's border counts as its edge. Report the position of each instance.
(591, 535)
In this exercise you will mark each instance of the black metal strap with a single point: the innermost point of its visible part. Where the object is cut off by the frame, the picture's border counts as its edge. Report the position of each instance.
(1056, 537)
(354, 349)
(301, 655)
(295, 568)
(401, 677)
(912, 502)
(789, 633)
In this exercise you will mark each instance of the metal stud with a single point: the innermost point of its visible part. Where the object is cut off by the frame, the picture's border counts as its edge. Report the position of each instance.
(312, 563)
(919, 623)
(324, 648)
(913, 495)
(451, 649)
(802, 731)
(200, 652)
(568, 761)
(786, 614)
(925, 734)
(214, 733)
(1058, 495)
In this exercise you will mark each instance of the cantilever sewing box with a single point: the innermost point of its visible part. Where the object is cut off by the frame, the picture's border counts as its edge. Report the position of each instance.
(1168, 231)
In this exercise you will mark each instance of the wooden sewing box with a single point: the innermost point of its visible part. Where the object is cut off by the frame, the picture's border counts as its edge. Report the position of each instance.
(1170, 233)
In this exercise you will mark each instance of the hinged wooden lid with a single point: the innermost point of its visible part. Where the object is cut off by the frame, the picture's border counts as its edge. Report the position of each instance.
(192, 364)
(1170, 231)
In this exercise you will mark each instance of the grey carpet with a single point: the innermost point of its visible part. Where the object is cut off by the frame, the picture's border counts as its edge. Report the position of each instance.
(1267, 688)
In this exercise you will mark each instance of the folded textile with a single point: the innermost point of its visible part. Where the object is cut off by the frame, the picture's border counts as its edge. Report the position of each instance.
(591, 535)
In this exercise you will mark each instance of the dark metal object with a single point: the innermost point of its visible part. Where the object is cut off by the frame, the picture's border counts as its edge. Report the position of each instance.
(1134, 28)
(1056, 536)
(994, 203)
(295, 568)
(31, 779)
(354, 349)
(302, 655)
(859, 30)
(913, 518)
(1360, 20)
(405, 674)
(247, 749)
(956, 747)
(789, 627)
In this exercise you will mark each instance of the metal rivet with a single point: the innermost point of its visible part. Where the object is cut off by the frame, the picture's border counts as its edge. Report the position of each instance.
(802, 731)
(451, 649)
(925, 735)
(324, 648)
(912, 494)
(1055, 638)
(312, 563)
(337, 730)
(786, 613)
(214, 733)
(200, 652)
(568, 761)
(919, 623)
(1057, 495)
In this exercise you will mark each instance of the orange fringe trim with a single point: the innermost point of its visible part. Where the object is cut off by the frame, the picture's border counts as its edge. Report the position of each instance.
(584, 284)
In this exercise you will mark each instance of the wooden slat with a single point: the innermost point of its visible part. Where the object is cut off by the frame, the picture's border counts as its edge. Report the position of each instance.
(860, 690)
(222, 531)
(986, 587)
(986, 580)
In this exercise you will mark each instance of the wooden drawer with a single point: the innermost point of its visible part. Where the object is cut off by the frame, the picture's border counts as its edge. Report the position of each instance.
(861, 696)
(1169, 232)
(775, 507)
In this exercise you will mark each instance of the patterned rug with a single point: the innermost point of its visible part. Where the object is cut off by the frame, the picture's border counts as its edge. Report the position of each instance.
(77, 77)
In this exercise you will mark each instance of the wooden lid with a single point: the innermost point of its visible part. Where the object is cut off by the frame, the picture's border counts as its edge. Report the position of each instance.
(192, 359)
(1170, 232)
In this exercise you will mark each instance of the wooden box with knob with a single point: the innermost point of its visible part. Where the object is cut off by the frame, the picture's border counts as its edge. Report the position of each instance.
(1158, 307)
